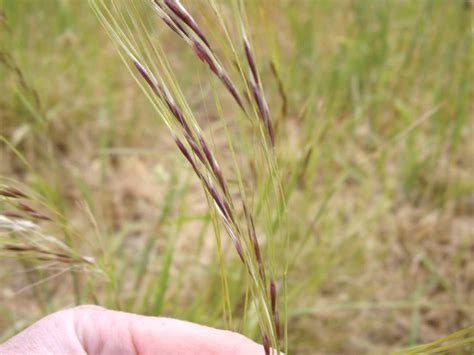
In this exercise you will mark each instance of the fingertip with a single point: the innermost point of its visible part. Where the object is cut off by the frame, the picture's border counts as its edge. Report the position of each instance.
(181, 337)
(236, 343)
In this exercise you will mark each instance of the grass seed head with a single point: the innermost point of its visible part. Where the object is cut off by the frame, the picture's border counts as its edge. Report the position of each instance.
(178, 9)
(273, 296)
(266, 344)
(12, 192)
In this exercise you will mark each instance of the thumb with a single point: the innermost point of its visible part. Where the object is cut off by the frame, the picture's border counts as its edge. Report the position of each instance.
(111, 332)
(95, 330)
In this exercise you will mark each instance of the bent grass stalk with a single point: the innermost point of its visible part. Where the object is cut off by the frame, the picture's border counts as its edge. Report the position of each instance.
(22, 236)
(148, 63)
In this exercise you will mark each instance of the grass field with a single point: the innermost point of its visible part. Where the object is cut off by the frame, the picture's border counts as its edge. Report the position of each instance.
(373, 109)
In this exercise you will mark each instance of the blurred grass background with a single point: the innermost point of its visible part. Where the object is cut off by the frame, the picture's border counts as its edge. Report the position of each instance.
(376, 119)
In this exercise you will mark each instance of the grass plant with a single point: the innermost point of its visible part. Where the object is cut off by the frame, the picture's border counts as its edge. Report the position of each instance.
(298, 171)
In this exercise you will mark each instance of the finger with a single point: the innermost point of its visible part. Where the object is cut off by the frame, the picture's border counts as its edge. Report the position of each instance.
(102, 331)
(95, 330)
(53, 334)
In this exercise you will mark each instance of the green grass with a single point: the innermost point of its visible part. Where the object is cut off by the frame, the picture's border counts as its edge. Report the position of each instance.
(375, 152)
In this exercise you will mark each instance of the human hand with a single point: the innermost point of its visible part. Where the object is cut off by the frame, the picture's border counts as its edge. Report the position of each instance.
(96, 330)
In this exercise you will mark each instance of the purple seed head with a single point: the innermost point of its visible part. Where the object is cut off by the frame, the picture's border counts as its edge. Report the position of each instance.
(171, 21)
(39, 215)
(206, 150)
(145, 76)
(12, 214)
(273, 296)
(221, 74)
(263, 111)
(213, 165)
(266, 344)
(269, 128)
(231, 87)
(205, 52)
(277, 325)
(256, 248)
(250, 60)
(195, 148)
(256, 245)
(26, 208)
(218, 199)
(184, 16)
(205, 57)
(18, 248)
(185, 152)
(239, 251)
(161, 92)
(12, 193)
(229, 211)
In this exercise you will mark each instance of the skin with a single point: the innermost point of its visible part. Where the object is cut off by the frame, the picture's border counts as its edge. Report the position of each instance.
(96, 330)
